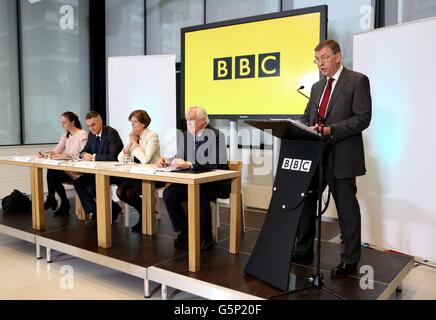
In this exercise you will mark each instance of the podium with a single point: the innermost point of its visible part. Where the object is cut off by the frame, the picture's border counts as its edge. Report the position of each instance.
(298, 164)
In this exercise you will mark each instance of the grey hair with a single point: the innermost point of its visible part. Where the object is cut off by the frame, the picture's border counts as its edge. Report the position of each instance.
(94, 115)
(201, 113)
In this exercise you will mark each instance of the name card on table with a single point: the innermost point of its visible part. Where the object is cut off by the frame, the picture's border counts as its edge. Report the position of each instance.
(142, 170)
(85, 164)
(52, 162)
(22, 159)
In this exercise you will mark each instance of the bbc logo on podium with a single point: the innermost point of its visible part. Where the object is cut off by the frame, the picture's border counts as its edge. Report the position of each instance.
(297, 165)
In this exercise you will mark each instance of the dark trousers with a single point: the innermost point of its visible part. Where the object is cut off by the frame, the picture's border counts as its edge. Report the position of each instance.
(129, 191)
(55, 180)
(344, 193)
(85, 189)
(173, 197)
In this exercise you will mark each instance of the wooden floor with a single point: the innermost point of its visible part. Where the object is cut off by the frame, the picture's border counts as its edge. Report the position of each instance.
(223, 269)
(219, 268)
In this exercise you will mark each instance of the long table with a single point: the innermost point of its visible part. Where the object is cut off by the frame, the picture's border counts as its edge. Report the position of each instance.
(104, 170)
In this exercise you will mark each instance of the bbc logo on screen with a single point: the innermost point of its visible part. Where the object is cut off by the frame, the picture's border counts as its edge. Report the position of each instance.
(247, 67)
(297, 165)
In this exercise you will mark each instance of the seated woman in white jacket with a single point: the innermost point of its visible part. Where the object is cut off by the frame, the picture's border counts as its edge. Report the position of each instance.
(144, 148)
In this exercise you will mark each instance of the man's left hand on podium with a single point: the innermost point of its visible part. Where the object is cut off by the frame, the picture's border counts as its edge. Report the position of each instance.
(327, 130)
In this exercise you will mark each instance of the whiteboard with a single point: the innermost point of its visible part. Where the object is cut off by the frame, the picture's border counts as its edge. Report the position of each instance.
(148, 83)
(398, 194)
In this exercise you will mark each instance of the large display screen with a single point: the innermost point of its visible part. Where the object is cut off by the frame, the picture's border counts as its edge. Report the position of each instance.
(251, 68)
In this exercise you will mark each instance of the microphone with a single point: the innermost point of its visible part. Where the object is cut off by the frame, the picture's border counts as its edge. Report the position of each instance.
(299, 91)
(311, 101)
(308, 98)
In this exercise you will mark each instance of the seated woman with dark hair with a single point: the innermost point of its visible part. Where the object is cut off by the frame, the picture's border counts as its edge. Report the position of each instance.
(144, 148)
(70, 145)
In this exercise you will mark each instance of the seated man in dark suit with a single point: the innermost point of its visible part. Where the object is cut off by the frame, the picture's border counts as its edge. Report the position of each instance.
(202, 148)
(104, 144)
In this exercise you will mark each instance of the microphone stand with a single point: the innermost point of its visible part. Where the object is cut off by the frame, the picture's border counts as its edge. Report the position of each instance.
(317, 280)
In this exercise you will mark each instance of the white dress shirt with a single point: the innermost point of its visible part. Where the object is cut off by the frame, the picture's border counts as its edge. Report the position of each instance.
(336, 77)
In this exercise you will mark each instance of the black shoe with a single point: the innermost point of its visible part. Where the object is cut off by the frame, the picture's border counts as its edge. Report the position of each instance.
(91, 224)
(302, 259)
(345, 269)
(64, 209)
(137, 227)
(181, 241)
(206, 245)
(50, 203)
(116, 210)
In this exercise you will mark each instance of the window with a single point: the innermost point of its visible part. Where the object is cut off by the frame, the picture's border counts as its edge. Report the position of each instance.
(399, 11)
(220, 10)
(56, 66)
(9, 83)
(345, 18)
(164, 21)
(124, 27)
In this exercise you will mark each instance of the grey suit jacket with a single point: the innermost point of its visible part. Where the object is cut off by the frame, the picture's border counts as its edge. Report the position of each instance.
(348, 114)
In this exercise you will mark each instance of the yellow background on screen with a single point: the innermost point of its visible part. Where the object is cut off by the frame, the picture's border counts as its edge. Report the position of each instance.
(295, 37)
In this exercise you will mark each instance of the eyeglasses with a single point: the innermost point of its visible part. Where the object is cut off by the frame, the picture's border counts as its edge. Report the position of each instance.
(323, 58)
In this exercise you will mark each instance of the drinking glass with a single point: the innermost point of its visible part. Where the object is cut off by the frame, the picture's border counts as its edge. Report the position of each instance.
(128, 160)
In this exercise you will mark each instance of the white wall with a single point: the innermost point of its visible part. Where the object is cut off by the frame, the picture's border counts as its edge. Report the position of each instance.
(144, 82)
(398, 194)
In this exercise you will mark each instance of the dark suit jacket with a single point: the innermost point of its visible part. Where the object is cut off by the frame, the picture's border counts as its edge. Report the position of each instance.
(111, 145)
(348, 114)
(208, 152)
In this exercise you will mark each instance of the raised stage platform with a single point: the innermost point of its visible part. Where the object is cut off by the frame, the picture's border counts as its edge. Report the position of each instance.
(154, 258)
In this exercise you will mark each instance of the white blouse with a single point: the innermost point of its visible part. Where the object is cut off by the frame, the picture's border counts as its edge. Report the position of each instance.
(148, 150)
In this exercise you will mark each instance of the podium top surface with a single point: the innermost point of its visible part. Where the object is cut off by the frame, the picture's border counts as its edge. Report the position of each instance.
(286, 129)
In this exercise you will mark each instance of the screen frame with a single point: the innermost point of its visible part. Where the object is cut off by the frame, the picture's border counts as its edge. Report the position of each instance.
(323, 10)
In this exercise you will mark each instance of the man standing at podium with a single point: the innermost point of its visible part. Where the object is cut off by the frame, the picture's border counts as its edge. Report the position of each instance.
(341, 104)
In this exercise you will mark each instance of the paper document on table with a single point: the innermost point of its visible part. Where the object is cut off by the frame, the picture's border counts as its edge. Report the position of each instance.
(85, 164)
(52, 162)
(167, 169)
(109, 164)
(142, 170)
(22, 159)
